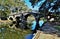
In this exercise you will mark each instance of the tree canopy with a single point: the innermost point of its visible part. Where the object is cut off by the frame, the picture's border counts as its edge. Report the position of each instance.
(52, 6)
(7, 5)
(48, 7)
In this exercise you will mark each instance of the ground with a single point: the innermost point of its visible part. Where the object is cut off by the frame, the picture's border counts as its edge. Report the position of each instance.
(8, 33)
(42, 35)
(12, 33)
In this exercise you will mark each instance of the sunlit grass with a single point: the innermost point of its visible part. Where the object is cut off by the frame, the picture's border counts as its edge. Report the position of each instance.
(12, 33)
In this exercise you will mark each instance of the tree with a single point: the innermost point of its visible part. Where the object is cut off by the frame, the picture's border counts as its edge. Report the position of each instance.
(48, 6)
(16, 4)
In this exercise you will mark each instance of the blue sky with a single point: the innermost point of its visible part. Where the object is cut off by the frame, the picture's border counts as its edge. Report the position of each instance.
(35, 7)
(38, 5)
(29, 5)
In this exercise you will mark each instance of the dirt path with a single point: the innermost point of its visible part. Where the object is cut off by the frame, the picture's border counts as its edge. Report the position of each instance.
(48, 32)
(41, 35)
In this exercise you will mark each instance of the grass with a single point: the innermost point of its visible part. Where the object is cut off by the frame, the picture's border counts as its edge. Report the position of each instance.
(57, 27)
(11, 33)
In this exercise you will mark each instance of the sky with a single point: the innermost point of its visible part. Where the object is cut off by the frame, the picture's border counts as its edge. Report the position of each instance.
(36, 7)
(29, 5)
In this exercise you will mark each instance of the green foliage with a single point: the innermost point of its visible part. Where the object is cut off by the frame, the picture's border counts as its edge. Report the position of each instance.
(12, 33)
(7, 4)
(5, 13)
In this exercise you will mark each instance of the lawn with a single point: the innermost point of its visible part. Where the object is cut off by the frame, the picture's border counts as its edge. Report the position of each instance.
(11, 33)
